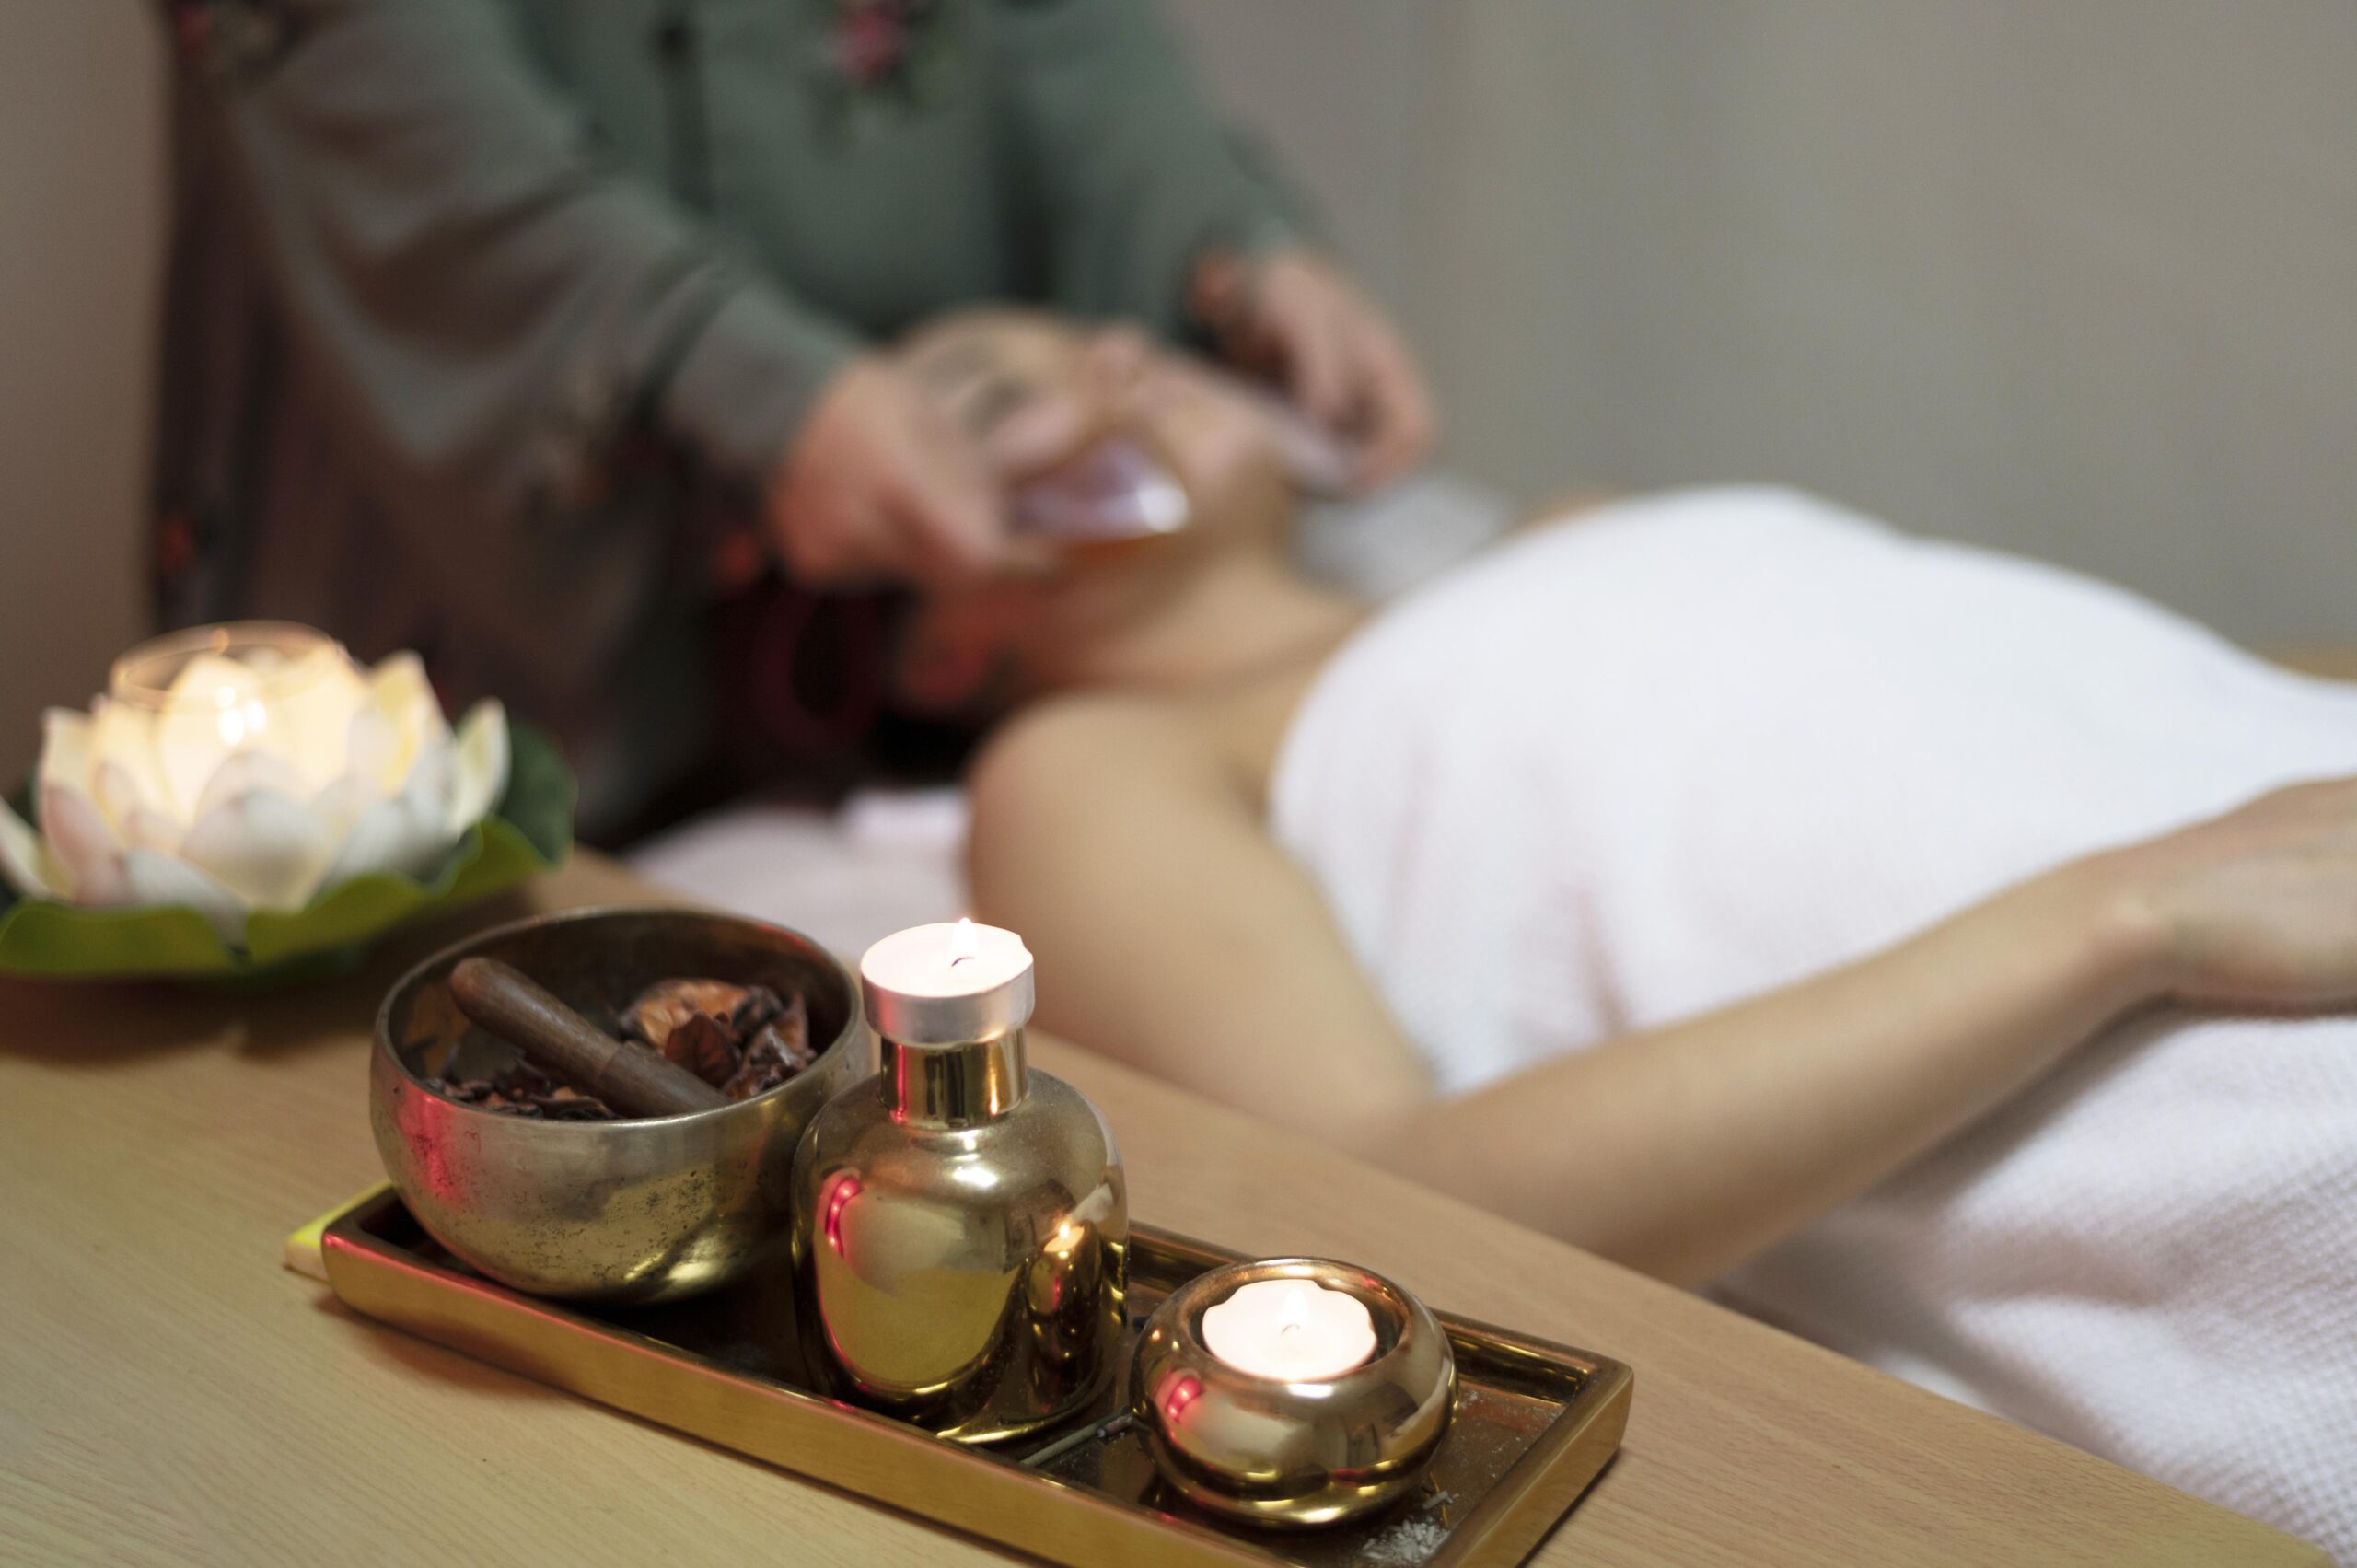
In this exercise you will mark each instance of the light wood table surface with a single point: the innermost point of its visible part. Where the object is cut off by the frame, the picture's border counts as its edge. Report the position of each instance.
(169, 1393)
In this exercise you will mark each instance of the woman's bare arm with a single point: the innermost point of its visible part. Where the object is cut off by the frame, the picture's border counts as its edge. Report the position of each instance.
(1173, 934)
(1170, 933)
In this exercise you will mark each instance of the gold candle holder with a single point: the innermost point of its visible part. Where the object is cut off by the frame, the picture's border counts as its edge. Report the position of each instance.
(1295, 1453)
(961, 1227)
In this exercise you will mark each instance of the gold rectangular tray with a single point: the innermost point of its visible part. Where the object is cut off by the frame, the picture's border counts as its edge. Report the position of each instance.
(1536, 1422)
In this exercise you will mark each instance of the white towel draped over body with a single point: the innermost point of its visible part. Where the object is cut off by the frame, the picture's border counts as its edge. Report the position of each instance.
(1683, 749)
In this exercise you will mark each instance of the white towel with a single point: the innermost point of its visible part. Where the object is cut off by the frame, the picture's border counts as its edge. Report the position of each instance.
(1690, 748)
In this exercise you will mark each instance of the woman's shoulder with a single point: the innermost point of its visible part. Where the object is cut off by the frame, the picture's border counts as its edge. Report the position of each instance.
(1087, 740)
(1089, 770)
(1225, 739)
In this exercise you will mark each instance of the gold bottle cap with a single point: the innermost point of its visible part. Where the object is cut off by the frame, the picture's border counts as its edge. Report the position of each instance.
(946, 985)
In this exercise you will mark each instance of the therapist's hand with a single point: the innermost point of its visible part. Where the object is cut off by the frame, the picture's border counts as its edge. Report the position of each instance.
(1294, 316)
(879, 483)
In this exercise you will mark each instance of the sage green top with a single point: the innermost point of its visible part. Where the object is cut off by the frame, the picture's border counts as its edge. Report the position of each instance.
(483, 313)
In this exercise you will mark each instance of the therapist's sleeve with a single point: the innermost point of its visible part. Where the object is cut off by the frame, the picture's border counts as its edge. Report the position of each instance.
(492, 306)
(1138, 179)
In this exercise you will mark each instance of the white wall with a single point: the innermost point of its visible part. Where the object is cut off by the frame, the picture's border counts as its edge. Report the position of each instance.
(2079, 279)
(81, 219)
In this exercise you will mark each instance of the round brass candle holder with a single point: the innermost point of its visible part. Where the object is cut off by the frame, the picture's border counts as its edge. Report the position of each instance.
(1299, 1454)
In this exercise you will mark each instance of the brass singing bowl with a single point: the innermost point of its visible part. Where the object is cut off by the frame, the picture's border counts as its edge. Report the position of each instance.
(1294, 1454)
(618, 1211)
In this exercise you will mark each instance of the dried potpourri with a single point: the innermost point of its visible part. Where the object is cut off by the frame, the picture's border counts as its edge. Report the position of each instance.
(657, 1012)
(742, 1039)
(524, 1090)
(704, 1045)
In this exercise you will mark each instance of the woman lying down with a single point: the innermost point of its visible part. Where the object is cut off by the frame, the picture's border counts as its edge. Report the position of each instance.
(1943, 954)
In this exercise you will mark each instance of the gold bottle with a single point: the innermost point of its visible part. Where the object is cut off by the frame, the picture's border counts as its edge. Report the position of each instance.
(961, 1228)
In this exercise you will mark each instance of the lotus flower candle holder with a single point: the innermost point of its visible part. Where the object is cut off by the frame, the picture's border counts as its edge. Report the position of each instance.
(246, 796)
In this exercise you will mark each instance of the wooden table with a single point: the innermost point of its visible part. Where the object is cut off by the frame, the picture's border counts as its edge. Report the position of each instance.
(168, 1393)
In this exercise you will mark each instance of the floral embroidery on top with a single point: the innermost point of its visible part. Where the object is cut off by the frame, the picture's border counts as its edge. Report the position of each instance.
(888, 52)
(229, 39)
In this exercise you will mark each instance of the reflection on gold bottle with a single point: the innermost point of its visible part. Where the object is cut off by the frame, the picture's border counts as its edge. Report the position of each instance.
(960, 1241)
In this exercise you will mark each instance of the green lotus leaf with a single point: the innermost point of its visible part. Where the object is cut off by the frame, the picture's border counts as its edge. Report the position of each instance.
(529, 831)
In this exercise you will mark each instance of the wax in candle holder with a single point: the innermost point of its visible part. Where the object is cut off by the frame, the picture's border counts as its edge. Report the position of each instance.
(1295, 1331)
(946, 985)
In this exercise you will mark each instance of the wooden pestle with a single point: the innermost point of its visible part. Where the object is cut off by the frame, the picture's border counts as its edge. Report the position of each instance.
(629, 1078)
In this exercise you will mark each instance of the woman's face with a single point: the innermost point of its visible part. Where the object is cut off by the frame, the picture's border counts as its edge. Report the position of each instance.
(1034, 391)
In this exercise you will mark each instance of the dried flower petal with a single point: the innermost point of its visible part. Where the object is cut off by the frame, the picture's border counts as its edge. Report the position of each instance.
(765, 1068)
(780, 1050)
(665, 1005)
(760, 1006)
(703, 1044)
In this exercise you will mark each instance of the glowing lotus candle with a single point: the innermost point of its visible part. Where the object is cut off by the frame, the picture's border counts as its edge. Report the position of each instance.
(250, 767)
(1293, 1330)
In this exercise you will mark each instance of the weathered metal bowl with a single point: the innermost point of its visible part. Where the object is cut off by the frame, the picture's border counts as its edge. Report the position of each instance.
(615, 1211)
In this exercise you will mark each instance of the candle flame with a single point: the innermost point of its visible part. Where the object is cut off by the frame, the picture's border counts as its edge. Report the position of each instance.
(239, 722)
(237, 717)
(963, 942)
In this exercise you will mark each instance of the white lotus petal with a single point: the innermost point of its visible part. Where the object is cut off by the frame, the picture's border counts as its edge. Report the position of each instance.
(150, 830)
(159, 879)
(117, 791)
(312, 701)
(78, 834)
(479, 765)
(402, 695)
(128, 777)
(343, 804)
(268, 850)
(241, 772)
(30, 868)
(66, 749)
(432, 777)
(107, 885)
(392, 835)
(372, 752)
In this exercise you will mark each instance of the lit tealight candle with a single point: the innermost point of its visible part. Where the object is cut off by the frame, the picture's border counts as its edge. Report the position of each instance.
(1293, 1391)
(1290, 1329)
(947, 984)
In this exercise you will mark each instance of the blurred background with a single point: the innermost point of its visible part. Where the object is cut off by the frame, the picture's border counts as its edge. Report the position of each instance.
(2071, 279)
